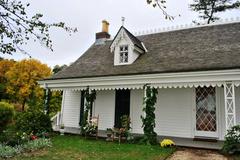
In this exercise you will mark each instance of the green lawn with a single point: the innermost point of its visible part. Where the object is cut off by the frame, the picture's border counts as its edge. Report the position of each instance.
(236, 157)
(75, 147)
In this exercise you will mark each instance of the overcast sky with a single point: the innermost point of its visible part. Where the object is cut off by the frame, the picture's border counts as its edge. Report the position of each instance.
(87, 17)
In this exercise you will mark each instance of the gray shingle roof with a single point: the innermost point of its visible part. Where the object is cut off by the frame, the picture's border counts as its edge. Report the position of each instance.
(197, 49)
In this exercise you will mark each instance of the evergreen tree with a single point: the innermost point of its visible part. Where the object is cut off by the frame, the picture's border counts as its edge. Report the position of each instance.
(208, 8)
(58, 68)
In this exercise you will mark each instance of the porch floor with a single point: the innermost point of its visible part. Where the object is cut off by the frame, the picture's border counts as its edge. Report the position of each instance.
(189, 142)
(186, 142)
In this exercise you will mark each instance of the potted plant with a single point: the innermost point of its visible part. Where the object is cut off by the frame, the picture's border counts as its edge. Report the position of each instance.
(109, 134)
(62, 129)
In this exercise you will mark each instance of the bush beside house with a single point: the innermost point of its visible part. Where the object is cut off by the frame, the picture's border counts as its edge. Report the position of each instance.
(24, 132)
(33, 121)
(6, 114)
(232, 141)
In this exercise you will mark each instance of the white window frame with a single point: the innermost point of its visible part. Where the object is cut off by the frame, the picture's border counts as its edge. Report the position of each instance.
(207, 133)
(123, 54)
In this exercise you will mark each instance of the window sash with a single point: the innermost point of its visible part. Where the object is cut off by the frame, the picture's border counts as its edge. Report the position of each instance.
(123, 54)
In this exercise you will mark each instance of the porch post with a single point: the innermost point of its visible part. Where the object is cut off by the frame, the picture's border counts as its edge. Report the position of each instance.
(47, 100)
(229, 97)
(62, 107)
(89, 103)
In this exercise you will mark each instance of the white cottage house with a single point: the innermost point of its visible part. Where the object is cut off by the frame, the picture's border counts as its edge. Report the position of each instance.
(196, 71)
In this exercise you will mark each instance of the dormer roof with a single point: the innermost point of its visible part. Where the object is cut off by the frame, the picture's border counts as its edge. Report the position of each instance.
(138, 43)
(134, 39)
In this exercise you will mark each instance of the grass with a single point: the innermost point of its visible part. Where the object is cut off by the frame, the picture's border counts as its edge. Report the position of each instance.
(71, 147)
(235, 157)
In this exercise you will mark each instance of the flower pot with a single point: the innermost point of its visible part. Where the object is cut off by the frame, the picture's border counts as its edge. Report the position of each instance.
(109, 137)
(61, 131)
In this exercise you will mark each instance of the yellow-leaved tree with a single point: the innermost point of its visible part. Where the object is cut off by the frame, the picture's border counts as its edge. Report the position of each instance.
(22, 80)
(5, 66)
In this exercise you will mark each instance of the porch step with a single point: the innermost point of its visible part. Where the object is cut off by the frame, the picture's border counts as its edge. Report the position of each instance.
(205, 139)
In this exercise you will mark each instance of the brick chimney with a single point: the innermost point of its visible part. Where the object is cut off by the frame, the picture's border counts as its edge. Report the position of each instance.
(101, 37)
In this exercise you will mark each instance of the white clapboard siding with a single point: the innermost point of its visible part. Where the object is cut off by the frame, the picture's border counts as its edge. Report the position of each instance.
(237, 99)
(174, 112)
(221, 113)
(136, 104)
(105, 107)
(71, 108)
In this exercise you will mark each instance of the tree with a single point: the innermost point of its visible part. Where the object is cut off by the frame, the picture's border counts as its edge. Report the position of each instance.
(5, 66)
(22, 80)
(17, 27)
(56, 96)
(208, 8)
(58, 68)
(161, 5)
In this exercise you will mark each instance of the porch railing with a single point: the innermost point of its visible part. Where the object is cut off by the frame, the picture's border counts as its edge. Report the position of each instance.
(56, 121)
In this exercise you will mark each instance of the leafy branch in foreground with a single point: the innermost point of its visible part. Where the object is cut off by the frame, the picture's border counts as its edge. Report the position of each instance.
(17, 27)
(161, 5)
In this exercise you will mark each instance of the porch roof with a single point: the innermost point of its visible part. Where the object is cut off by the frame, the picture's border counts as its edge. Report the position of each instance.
(167, 80)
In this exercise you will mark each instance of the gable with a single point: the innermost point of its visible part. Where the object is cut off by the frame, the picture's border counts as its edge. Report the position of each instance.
(120, 38)
(126, 47)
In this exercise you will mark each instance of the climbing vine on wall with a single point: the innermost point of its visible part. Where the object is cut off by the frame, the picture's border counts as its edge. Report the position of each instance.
(149, 101)
(90, 96)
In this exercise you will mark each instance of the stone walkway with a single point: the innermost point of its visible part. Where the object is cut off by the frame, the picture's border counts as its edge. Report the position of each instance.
(196, 154)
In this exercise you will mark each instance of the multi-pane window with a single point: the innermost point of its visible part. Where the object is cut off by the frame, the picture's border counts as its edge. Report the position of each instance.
(206, 119)
(123, 54)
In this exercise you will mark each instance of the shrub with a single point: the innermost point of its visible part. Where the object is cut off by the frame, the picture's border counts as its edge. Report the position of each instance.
(37, 144)
(33, 122)
(6, 114)
(12, 137)
(167, 143)
(232, 141)
(9, 151)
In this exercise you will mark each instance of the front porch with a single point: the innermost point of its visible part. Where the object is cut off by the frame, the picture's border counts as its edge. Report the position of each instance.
(175, 114)
(188, 105)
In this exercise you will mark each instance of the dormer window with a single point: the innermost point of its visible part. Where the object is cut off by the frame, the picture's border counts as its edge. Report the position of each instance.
(123, 54)
(126, 48)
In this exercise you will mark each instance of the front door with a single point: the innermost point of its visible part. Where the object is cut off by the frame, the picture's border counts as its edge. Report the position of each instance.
(206, 112)
(122, 106)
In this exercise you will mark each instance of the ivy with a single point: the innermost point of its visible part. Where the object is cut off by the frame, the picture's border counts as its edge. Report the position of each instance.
(149, 101)
(90, 97)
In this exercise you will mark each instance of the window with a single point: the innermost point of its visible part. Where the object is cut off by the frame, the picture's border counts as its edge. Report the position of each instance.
(123, 54)
(206, 119)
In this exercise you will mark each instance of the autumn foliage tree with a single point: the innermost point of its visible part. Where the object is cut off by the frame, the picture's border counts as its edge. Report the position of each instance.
(5, 66)
(22, 80)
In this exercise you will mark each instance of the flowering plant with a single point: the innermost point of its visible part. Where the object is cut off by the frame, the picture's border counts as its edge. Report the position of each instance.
(89, 129)
(232, 140)
(33, 137)
(167, 143)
